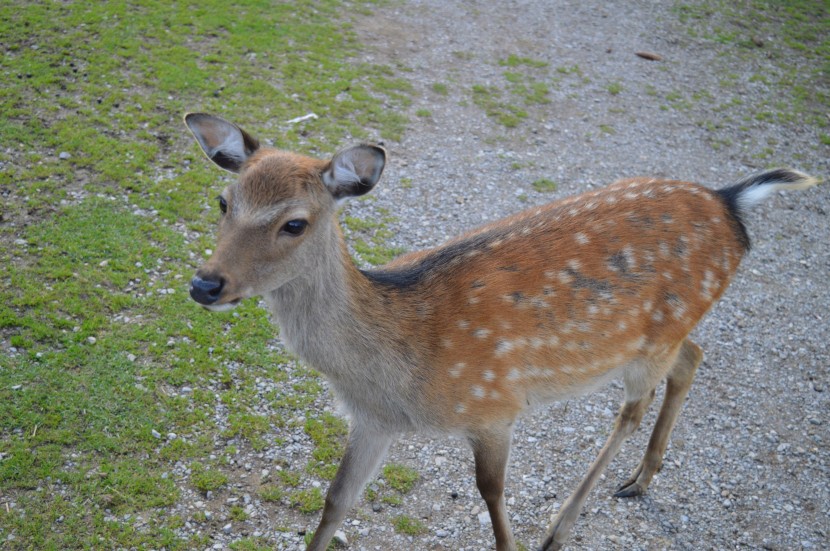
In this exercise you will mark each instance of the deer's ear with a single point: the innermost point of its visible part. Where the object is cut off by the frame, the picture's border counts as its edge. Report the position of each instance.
(354, 171)
(223, 142)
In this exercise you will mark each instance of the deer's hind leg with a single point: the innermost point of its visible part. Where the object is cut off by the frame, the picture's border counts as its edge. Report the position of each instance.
(640, 379)
(678, 382)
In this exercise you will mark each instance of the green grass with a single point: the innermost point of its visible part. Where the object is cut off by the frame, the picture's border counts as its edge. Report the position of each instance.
(408, 526)
(505, 113)
(400, 477)
(614, 88)
(110, 376)
(795, 42)
(544, 185)
(307, 501)
(440, 88)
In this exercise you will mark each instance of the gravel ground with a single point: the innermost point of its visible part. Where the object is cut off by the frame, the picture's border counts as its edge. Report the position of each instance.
(748, 465)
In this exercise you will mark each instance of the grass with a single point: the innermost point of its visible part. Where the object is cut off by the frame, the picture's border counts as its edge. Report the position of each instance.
(794, 35)
(400, 477)
(614, 88)
(505, 113)
(110, 378)
(544, 185)
(408, 526)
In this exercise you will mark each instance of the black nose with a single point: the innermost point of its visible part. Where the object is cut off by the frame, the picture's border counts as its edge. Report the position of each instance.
(206, 290)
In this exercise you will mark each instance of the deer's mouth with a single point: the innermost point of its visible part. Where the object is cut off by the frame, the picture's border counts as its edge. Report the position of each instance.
(224, 307)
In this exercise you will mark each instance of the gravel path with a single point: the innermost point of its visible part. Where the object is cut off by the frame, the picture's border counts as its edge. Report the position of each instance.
(748, 465)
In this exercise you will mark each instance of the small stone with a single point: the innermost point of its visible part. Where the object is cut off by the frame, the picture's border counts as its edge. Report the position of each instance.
(156, 434)
(340, 537)
(131, 357)
(484, 518)
(227, 528)
(91, 340)
(376, 507)
(442, 533)
(64, 155)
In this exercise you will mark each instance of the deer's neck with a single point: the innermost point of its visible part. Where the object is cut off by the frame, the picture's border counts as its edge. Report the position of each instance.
(342, 325)
(332, 317)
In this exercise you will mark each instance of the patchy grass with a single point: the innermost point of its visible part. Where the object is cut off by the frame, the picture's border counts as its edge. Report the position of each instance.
(408, 526)
(544, 185)
(614, 88)
(110, 378)
(400, 477)
(307, 501)
(440, 88)
(795, 35)
(488, 99)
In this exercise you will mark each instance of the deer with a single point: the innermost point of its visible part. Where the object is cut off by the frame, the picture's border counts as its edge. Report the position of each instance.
(544, 305)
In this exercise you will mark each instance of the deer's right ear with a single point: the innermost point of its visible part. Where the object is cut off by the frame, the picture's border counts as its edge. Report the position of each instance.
(223, 142)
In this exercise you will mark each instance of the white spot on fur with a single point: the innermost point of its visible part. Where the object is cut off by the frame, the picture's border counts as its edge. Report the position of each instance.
(638, 343)
(481, 333)
(514, 374)
(538, 302)
(460, 408)
(581, 238)
(477, 391)
(463, 324)
(679, 310)
(488, 376)
(455, 371)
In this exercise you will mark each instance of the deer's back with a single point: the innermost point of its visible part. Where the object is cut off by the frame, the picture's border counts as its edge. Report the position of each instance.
(547, 303)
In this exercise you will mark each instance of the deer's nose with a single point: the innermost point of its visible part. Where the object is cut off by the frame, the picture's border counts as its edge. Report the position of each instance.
(206, 290)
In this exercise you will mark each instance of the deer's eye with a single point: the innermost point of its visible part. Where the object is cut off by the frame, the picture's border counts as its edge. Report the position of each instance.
(223, 205)
(294, 227)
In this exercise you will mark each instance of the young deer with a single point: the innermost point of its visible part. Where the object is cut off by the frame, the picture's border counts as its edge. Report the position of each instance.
(543, 305)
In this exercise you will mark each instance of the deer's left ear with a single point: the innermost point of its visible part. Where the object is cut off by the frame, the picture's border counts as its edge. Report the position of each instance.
(354, 171)
(223, 142)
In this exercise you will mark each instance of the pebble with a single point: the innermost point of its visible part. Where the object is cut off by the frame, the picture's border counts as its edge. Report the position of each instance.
(340, 537)
(64, 155)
